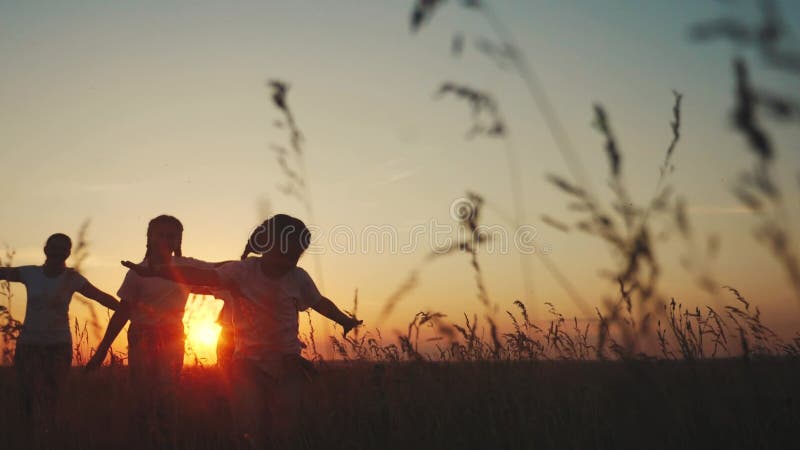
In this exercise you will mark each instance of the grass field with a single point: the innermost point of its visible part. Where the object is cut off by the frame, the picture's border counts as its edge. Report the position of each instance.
(727, 404)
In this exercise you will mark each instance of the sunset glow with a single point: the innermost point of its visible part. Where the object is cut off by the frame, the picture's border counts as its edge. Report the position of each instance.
(204, 334)
(202, 330)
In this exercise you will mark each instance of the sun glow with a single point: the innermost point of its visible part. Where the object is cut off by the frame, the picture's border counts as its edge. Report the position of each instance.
(204, 334)
(202, 330)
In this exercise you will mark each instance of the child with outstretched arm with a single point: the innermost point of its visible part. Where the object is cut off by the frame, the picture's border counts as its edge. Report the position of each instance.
(44, 349)
(155, 308)
(267, 369)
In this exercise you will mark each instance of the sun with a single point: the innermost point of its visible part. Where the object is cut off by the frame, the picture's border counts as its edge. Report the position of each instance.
(204, 334)
(202, 330)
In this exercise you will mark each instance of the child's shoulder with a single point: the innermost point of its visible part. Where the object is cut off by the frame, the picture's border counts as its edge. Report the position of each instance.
(298, 272)
(75, 276)
(299, 275)
(72, 272)
(247, 263)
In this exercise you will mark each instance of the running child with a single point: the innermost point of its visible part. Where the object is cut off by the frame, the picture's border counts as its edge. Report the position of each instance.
(268, 370)
(156, 335)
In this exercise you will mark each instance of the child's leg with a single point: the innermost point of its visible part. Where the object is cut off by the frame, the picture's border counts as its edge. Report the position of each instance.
(252, 391)
(285, 412)
(56, 361)
(25, 366)
(41, 371)
(266, 399)
(297, 372)
(169, 365)
(141, 354)
(155, 358)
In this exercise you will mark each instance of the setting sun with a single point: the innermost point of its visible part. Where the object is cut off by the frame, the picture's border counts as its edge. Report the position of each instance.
(202, 330)
(204, 334)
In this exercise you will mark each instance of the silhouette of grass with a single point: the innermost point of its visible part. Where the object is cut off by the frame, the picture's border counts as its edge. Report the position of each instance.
(442, 380)
(80, 253)
(10, 327)
(293, 165)
(757, 188)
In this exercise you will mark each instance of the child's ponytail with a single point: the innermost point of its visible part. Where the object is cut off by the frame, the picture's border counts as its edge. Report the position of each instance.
(248, 248)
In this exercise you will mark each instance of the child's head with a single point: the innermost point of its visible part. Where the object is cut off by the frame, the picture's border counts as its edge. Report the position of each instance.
(164, 235)
(281, 236)
(58, 248)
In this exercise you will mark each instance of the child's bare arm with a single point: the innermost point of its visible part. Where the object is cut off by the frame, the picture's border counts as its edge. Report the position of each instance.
(9, 274)
(90, 291)
(115, 325)
(179, 274)
(328, 309)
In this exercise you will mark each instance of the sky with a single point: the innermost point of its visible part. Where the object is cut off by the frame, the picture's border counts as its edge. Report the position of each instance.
(119, 111)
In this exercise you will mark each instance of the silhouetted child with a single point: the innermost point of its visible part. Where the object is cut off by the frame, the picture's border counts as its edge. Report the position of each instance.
(44, 348)
(267, 369)
(156, 335)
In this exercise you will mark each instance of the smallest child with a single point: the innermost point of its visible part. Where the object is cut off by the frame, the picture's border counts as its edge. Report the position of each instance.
(267, 371)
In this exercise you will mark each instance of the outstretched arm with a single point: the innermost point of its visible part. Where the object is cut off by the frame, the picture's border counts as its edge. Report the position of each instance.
(90, 291)
(206, 290)
(9, 274)
(115, 325)
(328, 309)
(179, 274)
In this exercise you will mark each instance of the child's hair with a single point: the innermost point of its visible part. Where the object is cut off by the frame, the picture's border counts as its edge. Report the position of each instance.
(56, 236)
(289, 234)
(164, 219)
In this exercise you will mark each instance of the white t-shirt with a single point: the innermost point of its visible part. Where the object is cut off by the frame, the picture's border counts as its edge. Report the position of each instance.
(156, 302)
(46, 312)
(265, 309)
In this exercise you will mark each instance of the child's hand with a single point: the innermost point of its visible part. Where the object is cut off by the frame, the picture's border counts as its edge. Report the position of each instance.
(350, 324)
(140, 269)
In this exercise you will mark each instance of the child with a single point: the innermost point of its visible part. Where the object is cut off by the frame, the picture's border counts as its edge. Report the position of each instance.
(225, 341)
(156, 336)
(44, 349)
(267, 367)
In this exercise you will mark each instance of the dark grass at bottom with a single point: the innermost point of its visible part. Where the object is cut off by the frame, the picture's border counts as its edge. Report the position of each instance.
(729, 404)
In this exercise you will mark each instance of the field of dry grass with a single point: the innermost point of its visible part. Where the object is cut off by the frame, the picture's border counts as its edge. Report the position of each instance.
(731, 403)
